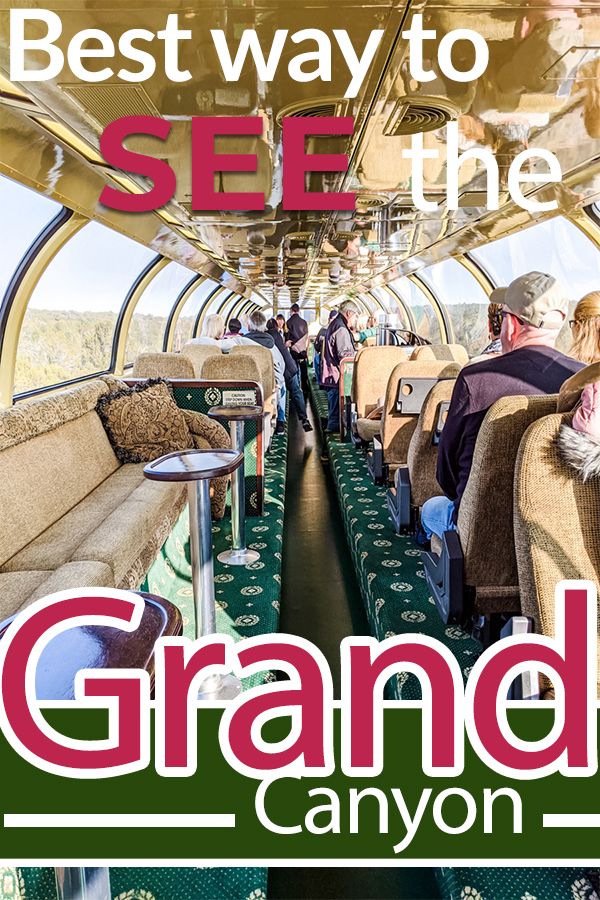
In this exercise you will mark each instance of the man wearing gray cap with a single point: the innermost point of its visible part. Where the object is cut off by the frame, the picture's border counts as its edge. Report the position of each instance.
(534, 308)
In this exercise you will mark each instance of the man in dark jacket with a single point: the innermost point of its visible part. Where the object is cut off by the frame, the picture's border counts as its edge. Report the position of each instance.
(338, 345)
(318, 345)
(534, 308)
(292, 379)
(297, 342)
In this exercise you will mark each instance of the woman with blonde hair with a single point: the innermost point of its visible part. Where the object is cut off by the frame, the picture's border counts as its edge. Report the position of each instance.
(212, 334)
(213, 327)
(585, 326)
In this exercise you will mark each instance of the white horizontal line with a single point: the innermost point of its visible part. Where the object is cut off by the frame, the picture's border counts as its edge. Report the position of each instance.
(371, 863)
(118, 820)
(571, 820)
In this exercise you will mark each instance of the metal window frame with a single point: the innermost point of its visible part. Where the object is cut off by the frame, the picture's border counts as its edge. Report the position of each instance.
(123, 320)
(34, 262)
(479, 273)
(188, 289)
(412, 322)
(444, 321)
(136, 291)
(588, 221)
(118, 343)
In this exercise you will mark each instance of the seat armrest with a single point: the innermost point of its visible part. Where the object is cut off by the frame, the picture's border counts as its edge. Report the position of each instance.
(398, 501)
(445, 578)
(348, 419)
(527, 685)
(377, 468)
(441, 420)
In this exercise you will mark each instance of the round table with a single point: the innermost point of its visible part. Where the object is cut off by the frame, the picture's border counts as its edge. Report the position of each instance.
(197, 467)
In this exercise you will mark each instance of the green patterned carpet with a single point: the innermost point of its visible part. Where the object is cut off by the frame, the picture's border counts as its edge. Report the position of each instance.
(146, 884)
(388, 566)
(515, 884)
(248, 597)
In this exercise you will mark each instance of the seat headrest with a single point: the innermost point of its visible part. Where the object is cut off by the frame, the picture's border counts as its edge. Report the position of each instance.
(198, 354)
(230, 366)
(449, 352)
(162, 365)
(257, 351)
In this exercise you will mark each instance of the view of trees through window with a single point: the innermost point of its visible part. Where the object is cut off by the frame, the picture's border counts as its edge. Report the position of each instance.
(465, 301)
(147, 328)
(70, 321)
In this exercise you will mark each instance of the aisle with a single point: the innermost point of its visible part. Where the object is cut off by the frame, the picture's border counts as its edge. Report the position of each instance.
(320, 598)
(321, 601)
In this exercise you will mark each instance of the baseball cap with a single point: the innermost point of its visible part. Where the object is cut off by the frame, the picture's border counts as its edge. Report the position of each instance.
(534, 298)
(498, 296)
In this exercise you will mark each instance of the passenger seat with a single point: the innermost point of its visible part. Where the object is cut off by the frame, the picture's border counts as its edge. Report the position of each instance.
(472, 573)
(162, 365)
(416, 482)
(408, 386)
(447, 352)
(556, 522)
(198, 354)
(372, 369)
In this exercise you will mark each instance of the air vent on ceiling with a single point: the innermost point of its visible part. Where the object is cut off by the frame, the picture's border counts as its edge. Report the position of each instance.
(301, 236)
(107, 102)
(412, 115)
(318, 106)
(368, 201)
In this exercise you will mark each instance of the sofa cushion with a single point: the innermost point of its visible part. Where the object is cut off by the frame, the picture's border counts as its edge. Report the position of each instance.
(84, 574)
(142, 520)
(44, 477)
(57, 544)
(19, 589)
(144, 422)
(27, 420)
(16, 588)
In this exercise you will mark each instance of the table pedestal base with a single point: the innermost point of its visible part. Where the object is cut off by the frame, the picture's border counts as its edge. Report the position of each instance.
(238, 557)
(220, 687)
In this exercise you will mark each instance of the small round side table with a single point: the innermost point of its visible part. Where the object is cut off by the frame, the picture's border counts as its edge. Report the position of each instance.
(237, 416)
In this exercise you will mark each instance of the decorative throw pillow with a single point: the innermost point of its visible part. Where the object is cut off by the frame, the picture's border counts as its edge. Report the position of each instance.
(144, 422)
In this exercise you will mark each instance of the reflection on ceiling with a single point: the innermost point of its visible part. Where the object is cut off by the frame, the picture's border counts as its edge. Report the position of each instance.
(541, 89)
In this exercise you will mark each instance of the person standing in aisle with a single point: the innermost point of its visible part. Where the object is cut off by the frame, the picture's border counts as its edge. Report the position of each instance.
(337, 345)
(292, 377)
(297, 342)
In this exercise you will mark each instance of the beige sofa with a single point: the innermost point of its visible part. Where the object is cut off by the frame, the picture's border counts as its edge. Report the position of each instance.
(72, 515)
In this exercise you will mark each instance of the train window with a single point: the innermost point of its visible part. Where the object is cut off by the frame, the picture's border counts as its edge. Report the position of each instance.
(388, 303)
(557, 247)
(426, 320)
(184, 328)
(69, 325)
(26, 213)
(215, 303)
(465, 301)
(147, 329)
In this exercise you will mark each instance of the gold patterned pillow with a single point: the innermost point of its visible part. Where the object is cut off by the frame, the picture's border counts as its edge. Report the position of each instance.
(144, 422)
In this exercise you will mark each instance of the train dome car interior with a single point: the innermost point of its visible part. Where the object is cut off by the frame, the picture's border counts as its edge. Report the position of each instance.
(105, 315)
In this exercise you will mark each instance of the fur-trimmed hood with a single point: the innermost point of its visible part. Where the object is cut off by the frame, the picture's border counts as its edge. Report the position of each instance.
(580, 451)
